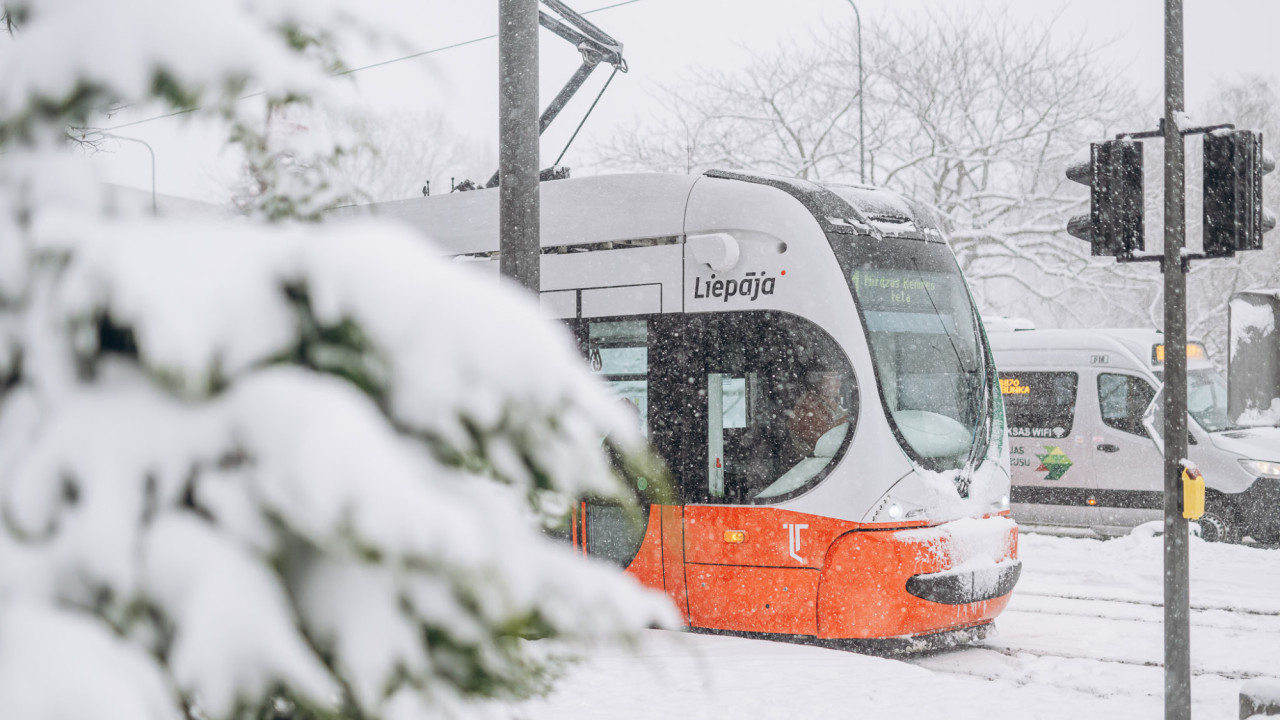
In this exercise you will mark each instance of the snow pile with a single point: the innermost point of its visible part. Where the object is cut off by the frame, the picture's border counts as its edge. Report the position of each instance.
(1254, 325)
(1260, 696)
(252, 465)
(1256, 417)
(1250, 322)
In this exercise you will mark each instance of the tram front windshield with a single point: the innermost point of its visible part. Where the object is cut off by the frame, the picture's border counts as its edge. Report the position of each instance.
(930, 363)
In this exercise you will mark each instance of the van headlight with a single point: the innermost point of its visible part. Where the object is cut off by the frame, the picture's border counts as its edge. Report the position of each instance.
(1262, 468)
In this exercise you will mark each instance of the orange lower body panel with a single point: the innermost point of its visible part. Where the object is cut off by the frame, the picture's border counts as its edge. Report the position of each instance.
(807, 576)
(753, 599)
(863, 593)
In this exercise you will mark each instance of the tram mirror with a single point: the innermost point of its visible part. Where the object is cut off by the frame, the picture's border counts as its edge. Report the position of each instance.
(719, 251)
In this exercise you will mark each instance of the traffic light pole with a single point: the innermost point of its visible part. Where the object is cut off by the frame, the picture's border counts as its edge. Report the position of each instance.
(1234, 220)
(1177, 618)
(518, 201)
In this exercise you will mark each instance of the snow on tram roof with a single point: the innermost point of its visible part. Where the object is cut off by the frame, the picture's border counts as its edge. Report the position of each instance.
(628, 207)
(584, 210)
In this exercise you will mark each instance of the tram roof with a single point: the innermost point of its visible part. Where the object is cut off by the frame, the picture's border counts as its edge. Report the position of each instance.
(626, 207)
(580, 211)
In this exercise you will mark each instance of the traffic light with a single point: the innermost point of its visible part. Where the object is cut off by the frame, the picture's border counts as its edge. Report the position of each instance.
(1234, 219)
(1114, 175)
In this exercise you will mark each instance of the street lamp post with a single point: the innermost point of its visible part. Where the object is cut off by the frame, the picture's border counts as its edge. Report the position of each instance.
(862, 138)
(146, 145)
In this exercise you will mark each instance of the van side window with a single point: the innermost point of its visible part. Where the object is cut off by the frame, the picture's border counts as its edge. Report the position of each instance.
(1122, 400)
(1039, 404)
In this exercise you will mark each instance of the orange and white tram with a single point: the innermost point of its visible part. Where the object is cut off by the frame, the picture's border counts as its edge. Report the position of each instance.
(808, 361)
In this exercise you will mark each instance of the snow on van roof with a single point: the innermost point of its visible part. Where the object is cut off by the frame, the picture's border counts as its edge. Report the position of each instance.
(1135, 342)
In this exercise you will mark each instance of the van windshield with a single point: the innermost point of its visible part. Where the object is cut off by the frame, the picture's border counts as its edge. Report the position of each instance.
(931, 365)
(1206, 401)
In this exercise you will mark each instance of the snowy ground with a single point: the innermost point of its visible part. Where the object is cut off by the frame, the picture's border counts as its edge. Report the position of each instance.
(1082, 638)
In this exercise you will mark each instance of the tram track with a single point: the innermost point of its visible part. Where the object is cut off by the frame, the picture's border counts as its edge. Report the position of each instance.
(1197, 620)
(1016, 653)
(1151, 603)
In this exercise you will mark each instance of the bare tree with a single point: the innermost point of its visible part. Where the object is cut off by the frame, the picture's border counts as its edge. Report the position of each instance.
(776, 115)
(391, 155)
(975, 114)
(1253, 103)
(403, 150)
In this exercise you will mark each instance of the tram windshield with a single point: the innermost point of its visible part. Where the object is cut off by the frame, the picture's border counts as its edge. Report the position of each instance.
(930, 363)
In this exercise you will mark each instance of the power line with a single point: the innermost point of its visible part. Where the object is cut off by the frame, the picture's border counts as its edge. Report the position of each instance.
(345, 72)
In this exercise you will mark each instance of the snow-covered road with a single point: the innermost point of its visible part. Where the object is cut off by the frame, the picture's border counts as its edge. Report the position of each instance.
(1082, 638)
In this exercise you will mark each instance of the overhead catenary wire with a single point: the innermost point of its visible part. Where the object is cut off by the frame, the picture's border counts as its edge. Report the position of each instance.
(351, 71)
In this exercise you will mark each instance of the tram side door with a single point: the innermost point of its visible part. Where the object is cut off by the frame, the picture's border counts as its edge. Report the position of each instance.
(619, 351)
(747, 566)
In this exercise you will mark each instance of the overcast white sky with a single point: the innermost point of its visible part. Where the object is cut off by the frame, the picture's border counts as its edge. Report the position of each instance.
(667, 39)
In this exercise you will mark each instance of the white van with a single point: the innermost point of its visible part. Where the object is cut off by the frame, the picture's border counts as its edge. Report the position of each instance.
(1081, 457)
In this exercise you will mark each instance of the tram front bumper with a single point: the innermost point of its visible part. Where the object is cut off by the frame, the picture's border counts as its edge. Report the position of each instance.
(961, 587)
(916, 582)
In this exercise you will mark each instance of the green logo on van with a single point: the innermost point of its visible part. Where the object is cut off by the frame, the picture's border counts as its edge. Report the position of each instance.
(1056, 462)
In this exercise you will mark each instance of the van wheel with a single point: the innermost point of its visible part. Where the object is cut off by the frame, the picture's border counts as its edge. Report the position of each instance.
(1217, 525)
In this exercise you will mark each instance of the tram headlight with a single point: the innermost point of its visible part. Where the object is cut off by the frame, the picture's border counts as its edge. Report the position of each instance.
(907, 500)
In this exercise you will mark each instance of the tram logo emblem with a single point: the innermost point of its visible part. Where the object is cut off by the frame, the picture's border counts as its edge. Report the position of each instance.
(794, 538)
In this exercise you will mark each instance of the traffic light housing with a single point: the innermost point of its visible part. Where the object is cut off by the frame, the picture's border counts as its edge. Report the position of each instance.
(1114, 225)
(1234, 220)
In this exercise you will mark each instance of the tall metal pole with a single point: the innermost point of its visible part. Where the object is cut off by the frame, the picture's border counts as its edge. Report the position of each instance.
(1177, 620)
(862, 136)
(518, 200)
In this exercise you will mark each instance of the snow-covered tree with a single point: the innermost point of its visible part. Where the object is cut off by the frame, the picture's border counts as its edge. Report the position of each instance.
(252, 467)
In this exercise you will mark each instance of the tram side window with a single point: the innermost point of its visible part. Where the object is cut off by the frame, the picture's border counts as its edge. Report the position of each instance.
(1122, 399)
(619, 352)
(1039, 404)
(780, 402)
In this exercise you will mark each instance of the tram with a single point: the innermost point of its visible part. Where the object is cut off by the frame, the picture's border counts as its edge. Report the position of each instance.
(808, 361)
